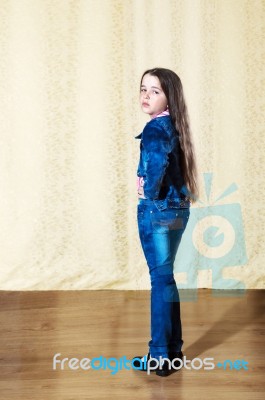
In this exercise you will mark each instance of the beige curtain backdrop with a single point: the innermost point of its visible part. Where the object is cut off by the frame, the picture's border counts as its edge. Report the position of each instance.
(69, 77)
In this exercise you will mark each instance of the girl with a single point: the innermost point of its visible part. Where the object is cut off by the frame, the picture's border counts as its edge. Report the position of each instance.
(167, 185)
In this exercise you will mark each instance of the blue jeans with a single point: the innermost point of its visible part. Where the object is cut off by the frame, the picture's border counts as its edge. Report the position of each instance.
(160, 235)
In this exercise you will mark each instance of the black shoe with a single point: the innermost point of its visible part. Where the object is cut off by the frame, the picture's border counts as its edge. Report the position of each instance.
(164, 371)
(143, 363)
(175, 354)
(177, 363)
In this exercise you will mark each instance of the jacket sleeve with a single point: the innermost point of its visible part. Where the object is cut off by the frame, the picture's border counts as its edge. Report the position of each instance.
(157, 146)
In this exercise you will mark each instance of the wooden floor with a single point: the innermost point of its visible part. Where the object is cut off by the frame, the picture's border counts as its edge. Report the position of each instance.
(34, 326)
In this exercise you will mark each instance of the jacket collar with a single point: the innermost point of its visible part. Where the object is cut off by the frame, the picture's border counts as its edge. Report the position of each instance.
(162, 121)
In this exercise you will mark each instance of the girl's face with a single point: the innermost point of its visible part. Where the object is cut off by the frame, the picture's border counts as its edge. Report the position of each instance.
(152, 98)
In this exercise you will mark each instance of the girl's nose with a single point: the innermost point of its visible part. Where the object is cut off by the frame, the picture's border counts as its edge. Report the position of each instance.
(147, 96)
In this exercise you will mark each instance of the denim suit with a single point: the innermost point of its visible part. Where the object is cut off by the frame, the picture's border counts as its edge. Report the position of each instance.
(162, 218)
(159, 163)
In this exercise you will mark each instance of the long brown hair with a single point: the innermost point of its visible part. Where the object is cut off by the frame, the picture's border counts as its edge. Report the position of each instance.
(172, 87)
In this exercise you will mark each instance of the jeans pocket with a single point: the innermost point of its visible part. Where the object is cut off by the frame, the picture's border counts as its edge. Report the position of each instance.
(185, 215)
(168, 219)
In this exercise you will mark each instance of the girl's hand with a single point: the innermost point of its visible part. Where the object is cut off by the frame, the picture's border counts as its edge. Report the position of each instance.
(141, 188)
(141, 195)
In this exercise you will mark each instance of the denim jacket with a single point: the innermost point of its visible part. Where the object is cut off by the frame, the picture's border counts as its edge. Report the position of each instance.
(159, 164)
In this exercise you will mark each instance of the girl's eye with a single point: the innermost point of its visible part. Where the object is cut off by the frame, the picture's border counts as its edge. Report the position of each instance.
(156, 92)
(143, 90)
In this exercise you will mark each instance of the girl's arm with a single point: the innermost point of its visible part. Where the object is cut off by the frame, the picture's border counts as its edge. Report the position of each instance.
(157, 146)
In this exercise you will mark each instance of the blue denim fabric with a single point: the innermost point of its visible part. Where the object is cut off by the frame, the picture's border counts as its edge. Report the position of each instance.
(159, 163)
(160, 235)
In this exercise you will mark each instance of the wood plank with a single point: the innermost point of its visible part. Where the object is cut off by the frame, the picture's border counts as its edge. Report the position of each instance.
(35, 325)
